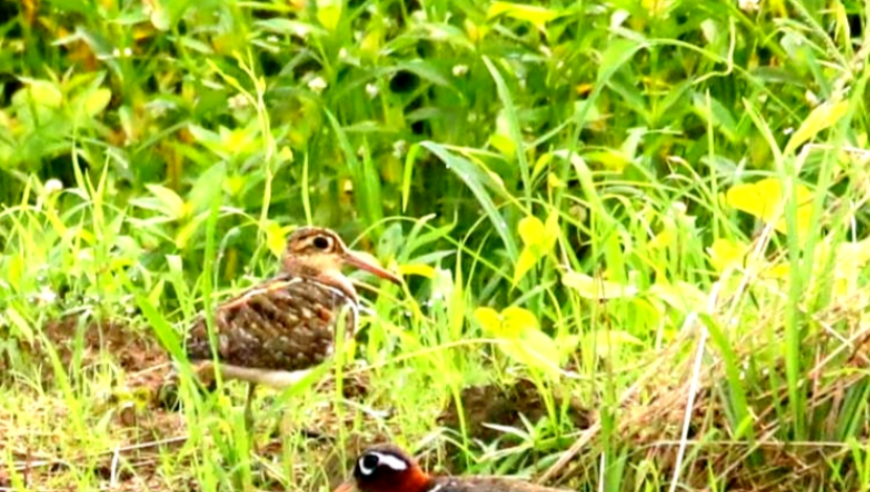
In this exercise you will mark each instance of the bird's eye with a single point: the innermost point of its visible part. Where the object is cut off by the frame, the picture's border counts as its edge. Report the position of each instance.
(368, 464)
(321, 242)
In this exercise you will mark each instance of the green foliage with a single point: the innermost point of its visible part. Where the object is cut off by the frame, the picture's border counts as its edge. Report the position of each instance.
(566, 182)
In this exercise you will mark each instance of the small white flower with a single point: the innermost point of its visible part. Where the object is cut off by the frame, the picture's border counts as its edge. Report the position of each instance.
(748, 5)
(317, 84)
(53, 186)
(116, 52)
(342, 54)
(460, 70)
(46, 295)
(399, 148)
(128, 52)
(788, 131)
(811, 98)
(372, 90)
(239, 101)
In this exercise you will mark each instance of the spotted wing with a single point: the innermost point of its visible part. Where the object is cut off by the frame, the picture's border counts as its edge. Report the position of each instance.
(283, 324)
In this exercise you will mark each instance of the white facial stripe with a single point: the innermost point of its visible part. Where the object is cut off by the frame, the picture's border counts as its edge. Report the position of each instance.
(390, 461)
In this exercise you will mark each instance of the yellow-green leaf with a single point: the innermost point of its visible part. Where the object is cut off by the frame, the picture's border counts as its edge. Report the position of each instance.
(419, 269)
(516, 320)
(275, 238)
(764, 199)
(40, 93)
(822, 117)
(608, 341)
(97, 101)
(725, 253)
(531, 230)
(489, 320)
(173, 204)
(595, 288)
(551, 230)
(329, 13)
(525, 262)
(538, 16)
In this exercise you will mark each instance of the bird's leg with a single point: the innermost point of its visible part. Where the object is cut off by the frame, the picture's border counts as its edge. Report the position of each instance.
(249, 412)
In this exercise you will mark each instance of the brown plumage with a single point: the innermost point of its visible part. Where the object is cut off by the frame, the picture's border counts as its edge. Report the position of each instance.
(285, 325)
(386, 468)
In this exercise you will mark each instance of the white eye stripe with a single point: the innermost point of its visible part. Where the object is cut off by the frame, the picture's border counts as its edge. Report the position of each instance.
(392, 462)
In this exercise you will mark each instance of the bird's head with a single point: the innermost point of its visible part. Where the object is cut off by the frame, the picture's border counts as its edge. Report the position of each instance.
(319, 253)
(386, 468)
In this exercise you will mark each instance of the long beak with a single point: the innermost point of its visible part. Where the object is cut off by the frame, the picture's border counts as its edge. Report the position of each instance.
(366, 262)
(345, 487)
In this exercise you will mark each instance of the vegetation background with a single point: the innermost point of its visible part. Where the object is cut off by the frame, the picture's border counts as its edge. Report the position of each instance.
(641, 222)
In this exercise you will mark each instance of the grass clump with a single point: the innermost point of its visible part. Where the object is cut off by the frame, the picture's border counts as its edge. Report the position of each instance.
(633, 234)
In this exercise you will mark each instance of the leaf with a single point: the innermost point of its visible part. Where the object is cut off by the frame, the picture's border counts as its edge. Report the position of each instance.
(489, 320)
(531, 230)
(725, 253)
(538, 16)
(551, 230)
(23, 328)
(329, 13)
(822, 117)
(173, 205)
(593, 288)
(516, 320)
(419, 269)
(478, 181)
(97, 101)
(38, 92)
(275, 240)
(764, 200)
(608, 341)
(525, 262)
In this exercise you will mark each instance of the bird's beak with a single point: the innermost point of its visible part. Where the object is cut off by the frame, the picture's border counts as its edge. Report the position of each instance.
(345, 487)
(366, 262)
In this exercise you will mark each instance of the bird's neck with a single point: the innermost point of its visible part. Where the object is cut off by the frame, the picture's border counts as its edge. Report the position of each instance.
(329, 278)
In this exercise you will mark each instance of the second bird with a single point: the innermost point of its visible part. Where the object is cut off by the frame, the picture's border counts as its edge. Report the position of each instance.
(286, 324)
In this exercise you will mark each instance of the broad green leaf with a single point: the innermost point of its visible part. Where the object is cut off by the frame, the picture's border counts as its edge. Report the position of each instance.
(172, 203)
(525, 262)
(551, 230)
(275, 239)
(594, 288)
(822, 117)
(97, 101)
(489, 320)
(516, 320)
(38, 92)
(329, 13)
(538, 16)
(764, 200)
(726, 253)
(419, 269)
(531, 230)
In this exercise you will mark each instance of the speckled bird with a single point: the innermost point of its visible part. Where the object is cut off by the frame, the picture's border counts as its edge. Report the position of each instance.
(275, 330)
(386, 468)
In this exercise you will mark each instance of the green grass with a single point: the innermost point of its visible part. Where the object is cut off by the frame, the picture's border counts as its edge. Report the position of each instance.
(675, 194)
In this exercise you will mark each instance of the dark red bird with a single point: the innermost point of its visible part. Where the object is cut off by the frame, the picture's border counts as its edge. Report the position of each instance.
(285, 325)
(386, 468)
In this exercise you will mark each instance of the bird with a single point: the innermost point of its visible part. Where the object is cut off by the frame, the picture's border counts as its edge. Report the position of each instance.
(387, 468)
(275, 331)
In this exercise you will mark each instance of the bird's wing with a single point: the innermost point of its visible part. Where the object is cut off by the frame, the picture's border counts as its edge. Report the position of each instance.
(282, 324)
